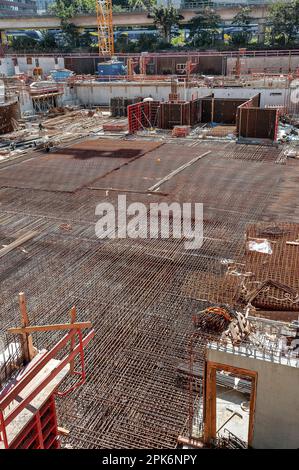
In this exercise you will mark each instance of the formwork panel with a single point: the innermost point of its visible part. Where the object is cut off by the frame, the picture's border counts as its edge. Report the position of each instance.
(221, 110)
(257, 123)
(142, 115)
(174, 114)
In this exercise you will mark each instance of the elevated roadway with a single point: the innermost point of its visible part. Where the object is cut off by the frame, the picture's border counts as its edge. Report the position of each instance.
(259, 13)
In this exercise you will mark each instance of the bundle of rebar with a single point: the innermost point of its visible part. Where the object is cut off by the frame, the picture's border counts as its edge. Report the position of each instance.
(215, 318)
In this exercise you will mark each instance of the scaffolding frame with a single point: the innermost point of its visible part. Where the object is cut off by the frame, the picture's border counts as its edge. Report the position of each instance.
(105, 27)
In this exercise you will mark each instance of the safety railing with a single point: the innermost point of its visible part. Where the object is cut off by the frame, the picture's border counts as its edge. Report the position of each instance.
(8, 412)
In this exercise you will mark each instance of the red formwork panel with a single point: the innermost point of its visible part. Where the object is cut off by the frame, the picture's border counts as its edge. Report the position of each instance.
(38, 430)
(142, 115)
(41, 432)
(134, 117)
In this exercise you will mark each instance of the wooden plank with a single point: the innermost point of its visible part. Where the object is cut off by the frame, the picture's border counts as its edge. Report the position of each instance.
(119, 190)
(252, 410)
(210, 404)
(178, 170)
(55, 326)
(210, 401)
(17, 243)
(233, 370)
(195, 443)
(73, 315)
(63, 431)
(27, 344)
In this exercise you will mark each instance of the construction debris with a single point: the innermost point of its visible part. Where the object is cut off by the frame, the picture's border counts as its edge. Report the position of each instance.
(232, 325)
(181, 131)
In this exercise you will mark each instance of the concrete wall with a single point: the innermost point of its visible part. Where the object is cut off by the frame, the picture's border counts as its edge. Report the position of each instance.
(96, 93)
(2, 92)
(69, 96)
(99, 93)
(248, 64)
(8, 68)
(25, 102)
(276, 423)
(259, 64)
(26, 105)
(269, 96)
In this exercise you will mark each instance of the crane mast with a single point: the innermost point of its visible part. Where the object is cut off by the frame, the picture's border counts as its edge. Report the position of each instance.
(105, 27)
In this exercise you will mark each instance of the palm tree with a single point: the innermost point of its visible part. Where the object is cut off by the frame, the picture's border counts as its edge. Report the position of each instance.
(165, 18)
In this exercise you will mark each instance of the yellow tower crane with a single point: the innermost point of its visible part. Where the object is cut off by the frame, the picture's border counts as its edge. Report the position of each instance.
(105, 27)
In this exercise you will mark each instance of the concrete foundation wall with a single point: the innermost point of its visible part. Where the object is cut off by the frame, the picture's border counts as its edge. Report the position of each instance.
(277, 400)
(261, 64)
(25, 102)
(207, 65)
(8, 68)
(269, 96)
(96, 93)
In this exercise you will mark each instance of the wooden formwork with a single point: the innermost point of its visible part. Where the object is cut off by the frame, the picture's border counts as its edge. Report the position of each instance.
(174, 114)
(143, 115)
(254, 122)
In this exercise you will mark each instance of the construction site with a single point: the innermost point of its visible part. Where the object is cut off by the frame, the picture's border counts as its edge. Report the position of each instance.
(118, 342)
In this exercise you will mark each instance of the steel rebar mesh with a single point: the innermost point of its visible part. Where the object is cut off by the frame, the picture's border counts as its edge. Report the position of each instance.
(139, 294)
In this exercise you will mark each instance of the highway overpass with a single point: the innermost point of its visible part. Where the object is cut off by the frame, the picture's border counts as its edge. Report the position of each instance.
(259, 13)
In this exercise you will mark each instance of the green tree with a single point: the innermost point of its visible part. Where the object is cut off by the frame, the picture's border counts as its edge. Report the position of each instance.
(242, 19)
(85, 6)
(204, 27)
(68, 9)
(64, 9)
(147, 5)
(165, 18)
(24, 43)
(47, 42)
(284, 18)
(123, 43)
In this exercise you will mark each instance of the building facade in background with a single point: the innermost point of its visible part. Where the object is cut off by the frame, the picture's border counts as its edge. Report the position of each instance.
(43, 6)
(17, 7)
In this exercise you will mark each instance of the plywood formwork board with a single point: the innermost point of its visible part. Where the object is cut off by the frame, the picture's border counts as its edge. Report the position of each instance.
(257, 123)
(174, 114)
(220, 110)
